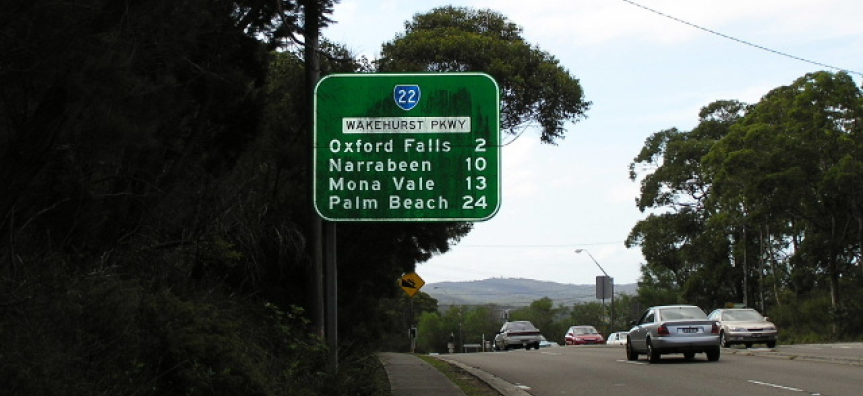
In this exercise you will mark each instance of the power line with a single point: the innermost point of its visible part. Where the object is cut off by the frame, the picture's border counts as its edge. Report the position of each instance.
(514, 246)
(744, 42)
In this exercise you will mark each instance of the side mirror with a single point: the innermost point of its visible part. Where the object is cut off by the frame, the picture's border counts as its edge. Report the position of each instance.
(633, 323)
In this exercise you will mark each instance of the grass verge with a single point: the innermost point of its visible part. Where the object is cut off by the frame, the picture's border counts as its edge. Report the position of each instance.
(470, 385)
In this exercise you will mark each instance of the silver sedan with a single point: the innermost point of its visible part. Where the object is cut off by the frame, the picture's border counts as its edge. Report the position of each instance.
(673, 329)
(744, 326)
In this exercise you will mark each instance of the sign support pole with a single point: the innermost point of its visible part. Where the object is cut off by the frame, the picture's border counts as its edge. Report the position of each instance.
(325, 311)
(331, 275)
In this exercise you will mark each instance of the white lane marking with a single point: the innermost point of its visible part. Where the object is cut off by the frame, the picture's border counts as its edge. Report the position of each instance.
(788, 388)
(550, 353)
(631, 362)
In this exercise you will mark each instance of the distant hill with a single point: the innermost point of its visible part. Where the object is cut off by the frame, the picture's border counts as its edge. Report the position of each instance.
(516, 292)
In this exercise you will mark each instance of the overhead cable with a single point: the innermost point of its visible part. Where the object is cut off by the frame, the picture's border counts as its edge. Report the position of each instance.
(763, 48)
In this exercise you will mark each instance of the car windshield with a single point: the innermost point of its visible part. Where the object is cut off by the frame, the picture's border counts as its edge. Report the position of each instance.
(677, 313)
(743, 315)
(585, 330)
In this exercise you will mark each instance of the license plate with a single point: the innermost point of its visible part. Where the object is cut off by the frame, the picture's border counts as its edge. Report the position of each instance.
(689, 330)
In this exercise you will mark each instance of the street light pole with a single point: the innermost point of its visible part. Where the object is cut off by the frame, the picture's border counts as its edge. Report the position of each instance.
(612, 285)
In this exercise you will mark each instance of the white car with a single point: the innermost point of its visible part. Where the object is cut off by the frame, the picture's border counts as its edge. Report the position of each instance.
(548, 344)
(618, 338)
(520, 334)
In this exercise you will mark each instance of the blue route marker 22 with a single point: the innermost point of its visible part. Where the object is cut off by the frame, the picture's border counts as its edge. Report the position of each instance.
(407, 96)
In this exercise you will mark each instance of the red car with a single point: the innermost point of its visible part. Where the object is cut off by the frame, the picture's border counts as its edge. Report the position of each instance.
(583, 335)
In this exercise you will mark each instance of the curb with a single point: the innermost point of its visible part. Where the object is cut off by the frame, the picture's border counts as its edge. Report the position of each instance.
(503, 387)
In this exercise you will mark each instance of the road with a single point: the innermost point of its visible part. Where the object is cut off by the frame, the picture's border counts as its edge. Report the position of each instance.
(604, 370)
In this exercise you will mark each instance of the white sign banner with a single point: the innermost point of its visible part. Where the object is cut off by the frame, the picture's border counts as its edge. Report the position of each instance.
(405, 125)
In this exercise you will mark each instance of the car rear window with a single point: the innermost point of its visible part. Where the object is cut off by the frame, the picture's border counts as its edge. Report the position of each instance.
(742, 315)
(677, 313)
(521, 326)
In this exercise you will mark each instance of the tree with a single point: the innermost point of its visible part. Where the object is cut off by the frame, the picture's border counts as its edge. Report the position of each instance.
(535, 88)
(117, 122)
(684, 245)
(759, 204)
(793, 163)
(626, 310)
(542, 314)
(431, 334)
(481, 323)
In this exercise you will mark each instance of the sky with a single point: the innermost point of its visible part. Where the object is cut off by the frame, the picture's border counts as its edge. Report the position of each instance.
(645, 72)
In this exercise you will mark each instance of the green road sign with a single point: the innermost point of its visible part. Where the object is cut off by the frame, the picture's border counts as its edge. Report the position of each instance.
(407, 147)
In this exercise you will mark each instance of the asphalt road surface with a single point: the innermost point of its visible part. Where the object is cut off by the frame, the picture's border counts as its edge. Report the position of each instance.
(604, 370)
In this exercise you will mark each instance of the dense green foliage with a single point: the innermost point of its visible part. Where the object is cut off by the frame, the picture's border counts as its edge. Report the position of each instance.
(151, 237)
(761, 205)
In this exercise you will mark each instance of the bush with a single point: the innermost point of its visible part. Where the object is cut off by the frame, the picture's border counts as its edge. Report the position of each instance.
(93, 334)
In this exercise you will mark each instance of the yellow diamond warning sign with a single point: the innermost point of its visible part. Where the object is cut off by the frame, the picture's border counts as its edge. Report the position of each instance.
(411, 283)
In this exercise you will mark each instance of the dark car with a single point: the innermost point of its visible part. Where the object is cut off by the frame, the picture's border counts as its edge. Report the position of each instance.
(583, 335)
(744, 326)
(673, 329)
(520, 334)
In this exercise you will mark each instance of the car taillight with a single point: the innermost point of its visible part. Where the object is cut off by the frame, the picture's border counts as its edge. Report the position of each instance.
(714, 329)
(663, 330)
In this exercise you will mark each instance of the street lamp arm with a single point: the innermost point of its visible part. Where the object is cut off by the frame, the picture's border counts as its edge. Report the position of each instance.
(594, 260)
(611, 322)
(452, 301)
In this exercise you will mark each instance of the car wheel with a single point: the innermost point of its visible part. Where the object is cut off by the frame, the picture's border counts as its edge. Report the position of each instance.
(713, 354)
(723, 341)
(771, 344)
(652, 354)
(536, 345)
(630, 353)
(689, 355)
